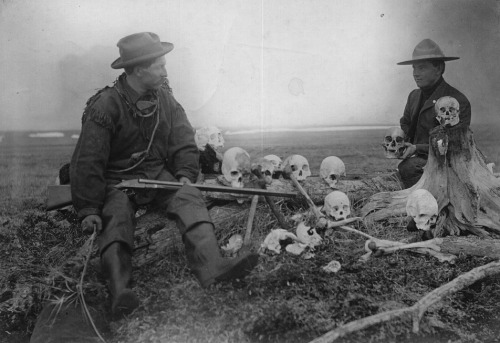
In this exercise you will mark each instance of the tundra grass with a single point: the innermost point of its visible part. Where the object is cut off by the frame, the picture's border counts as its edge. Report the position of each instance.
(285, 299)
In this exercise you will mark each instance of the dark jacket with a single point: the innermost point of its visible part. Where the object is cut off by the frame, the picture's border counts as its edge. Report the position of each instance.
(112, 133)
(426, 118)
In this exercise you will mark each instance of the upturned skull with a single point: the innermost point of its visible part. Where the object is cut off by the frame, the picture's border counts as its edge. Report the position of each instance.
(308, 235)
(299, 166)
(423, 208)
(447, 111)
(331, 169)
(276, 161)
(209, 135)
(394, 142)
(337, 206)
(236, 166)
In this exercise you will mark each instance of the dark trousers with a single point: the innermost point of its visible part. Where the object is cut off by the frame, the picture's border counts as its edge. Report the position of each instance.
(411, 169)
(186, 206)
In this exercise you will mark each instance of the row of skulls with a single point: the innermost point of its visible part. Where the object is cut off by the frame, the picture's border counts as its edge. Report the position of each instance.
(236, 163)
(447, 110)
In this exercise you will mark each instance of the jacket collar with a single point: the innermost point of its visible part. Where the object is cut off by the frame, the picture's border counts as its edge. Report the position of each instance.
(438, 93)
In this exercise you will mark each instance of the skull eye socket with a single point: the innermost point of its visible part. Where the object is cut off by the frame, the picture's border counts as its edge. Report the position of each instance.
(399, 139)
(345, 207)
(235, 173)
(294, 167)
(442, 109)
(267, 172)
(388, 139)
(305, 167)
(335, 208)
(332, 177)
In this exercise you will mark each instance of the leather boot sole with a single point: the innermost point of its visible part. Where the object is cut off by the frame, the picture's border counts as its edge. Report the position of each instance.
(236, 271)
(124, 304)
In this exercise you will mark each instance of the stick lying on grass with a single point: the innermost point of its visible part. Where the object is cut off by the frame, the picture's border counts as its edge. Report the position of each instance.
(416, 311)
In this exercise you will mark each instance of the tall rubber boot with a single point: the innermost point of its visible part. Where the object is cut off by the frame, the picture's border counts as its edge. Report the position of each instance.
(116, 261)
(205, 259)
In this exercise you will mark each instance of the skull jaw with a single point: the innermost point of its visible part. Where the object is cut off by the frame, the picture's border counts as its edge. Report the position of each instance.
(394, 153)
(448, 121)
(425, 223)
(331, 180)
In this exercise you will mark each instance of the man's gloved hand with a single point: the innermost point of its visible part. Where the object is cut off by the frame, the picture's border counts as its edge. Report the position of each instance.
(88, 224)
(184, 180)
(409, 151)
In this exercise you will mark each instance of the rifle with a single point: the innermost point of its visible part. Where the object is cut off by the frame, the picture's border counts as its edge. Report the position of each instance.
(59, 196)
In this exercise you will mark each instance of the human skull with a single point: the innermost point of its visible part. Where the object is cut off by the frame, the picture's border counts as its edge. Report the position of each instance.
(299, 166)
(447, 111)
(331, 169)
(266, 168)
(236, 166)
(273, 239)
(308, 235)
(423, 208)
(276, 161)
(394, 142)
(337, 206)
(209, 135)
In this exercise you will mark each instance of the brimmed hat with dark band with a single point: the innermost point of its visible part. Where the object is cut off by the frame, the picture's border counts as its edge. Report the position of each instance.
(140, 47)
(427, 50)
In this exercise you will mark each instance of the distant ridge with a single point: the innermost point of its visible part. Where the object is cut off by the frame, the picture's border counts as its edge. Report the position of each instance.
(46, 135)
(310, 129)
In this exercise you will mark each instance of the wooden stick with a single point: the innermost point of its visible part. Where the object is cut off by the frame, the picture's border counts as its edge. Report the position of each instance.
(279, 216)
(313, 207)
(416, 311)
(251, 215)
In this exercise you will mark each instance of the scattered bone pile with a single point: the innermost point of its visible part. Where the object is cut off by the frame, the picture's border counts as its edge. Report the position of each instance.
(237, 166)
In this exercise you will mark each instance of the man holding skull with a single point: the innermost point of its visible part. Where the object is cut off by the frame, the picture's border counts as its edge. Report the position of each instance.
(136, 129)
(419, 116)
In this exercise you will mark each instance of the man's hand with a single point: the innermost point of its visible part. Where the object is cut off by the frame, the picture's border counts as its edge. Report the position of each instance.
(88, 224)
(409, 151)
(184, 180)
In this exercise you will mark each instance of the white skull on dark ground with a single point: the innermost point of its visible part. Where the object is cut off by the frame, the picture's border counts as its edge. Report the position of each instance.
(331, 169)
(299, 166)
(308, 236)
(423, 208)
(210, 135)
(447, 111)
(272, 242)
(337, 206)
(394, 142)
(276, 161)
(236, 166)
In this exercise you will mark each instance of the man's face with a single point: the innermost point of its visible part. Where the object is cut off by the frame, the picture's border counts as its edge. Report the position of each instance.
(154, 76)
(425, 74)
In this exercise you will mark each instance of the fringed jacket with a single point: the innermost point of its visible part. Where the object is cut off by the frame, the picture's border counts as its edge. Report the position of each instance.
(119, 142)
(426, 117)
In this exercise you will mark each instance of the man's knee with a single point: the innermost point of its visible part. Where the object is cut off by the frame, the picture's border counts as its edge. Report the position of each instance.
(188, 207)
(410, 170)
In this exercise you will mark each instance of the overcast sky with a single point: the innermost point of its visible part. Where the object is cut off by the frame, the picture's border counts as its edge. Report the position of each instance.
(269, 63)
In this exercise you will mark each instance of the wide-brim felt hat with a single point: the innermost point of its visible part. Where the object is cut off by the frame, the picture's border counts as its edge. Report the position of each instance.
(138, 48)
(427, 50)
